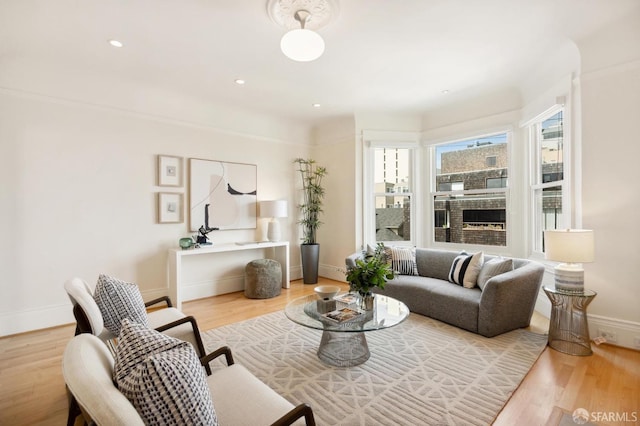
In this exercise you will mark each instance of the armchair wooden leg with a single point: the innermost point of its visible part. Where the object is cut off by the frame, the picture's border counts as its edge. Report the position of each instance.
(74, 410)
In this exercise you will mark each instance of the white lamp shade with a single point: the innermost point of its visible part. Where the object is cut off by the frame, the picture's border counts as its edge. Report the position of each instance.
(302, 45)
(275, 208)
(569, 245)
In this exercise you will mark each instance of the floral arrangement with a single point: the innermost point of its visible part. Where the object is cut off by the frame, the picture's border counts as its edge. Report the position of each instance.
(373, 270)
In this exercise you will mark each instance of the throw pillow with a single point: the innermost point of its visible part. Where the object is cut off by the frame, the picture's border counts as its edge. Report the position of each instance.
(118, 300)
(403, 260)
(162, 378)
(493, 267)
(465, 269)
(371, 250)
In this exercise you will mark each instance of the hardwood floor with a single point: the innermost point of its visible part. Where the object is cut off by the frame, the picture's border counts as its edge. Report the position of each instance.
(32, 389)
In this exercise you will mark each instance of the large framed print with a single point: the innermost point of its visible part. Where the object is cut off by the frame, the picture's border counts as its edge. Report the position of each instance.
(169, 170)
(170, 207)
(222, 195)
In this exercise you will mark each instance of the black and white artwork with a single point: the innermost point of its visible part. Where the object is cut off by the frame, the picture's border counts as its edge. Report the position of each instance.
(222, 195)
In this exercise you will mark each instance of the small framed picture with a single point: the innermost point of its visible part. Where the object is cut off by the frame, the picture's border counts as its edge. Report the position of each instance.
(169, 170)
(170, 207)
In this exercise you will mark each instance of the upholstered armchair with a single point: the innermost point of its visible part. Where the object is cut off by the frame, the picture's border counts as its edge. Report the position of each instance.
(168, 320)
(89, 319)
(239, 397)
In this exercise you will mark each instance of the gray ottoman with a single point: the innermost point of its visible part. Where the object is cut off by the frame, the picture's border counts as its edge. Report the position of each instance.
(262, 279)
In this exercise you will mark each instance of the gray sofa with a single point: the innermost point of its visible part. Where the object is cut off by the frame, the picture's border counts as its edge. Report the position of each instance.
(506, 302)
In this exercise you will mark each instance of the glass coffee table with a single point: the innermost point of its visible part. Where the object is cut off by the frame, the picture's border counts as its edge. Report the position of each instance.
(344, 344)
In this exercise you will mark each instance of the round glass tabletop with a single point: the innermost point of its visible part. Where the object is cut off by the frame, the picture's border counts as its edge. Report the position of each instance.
(311, 312)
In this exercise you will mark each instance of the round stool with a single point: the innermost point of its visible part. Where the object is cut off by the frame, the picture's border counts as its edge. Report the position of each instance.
(262, 279)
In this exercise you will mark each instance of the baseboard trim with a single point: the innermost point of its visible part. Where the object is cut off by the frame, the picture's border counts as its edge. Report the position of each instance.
(331, 272)
(35, 319)
(208, 288)
(625, 331)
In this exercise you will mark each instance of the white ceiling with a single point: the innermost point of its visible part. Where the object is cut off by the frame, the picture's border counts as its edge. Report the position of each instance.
(392, 55)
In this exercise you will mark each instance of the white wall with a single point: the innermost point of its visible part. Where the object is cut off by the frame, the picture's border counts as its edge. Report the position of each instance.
(610, 88)
(335, 149)
(78, 198)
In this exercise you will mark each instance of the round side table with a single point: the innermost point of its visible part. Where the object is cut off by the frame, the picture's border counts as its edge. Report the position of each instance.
(568, 327)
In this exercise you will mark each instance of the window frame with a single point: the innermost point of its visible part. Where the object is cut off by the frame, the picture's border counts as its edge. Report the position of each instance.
(434, 192)
(536, 182)
(373, 140)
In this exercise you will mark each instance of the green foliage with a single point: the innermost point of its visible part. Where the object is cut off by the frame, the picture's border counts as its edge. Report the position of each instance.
(373, 270)
(313, 191)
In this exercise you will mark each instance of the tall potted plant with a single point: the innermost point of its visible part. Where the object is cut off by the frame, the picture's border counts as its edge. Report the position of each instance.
(310, 210)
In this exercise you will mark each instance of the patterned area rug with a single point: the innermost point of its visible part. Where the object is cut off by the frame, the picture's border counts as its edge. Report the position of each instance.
(421, 372)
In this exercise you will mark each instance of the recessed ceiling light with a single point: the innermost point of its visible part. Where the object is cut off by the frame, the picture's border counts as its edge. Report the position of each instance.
(116, 43)
(445, 91)
(315, 105)
(239, 81)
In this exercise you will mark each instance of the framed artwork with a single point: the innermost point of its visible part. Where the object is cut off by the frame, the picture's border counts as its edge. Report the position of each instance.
(170, 207)
(222, 195)
(169, 170)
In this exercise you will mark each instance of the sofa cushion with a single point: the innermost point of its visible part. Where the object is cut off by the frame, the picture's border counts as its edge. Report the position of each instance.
(434, 263)
(455, 305)
(118, 300)
(465, 269)
(162, 377)
(403, 260)
(493, 267)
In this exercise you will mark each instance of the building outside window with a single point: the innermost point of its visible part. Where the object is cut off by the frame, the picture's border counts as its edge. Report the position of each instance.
(393, 194)
(548, 180)
(470, 202)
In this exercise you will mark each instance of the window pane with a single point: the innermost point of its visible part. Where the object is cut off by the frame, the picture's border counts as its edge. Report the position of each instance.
(470, 164)
(500, 182)
(471, 219)
(551, 139)
(393, 218)
(392, 170)
(548, 205)
(392, 187)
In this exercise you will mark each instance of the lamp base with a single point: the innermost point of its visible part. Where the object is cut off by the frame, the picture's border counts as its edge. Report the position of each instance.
(273, 231)
(569, 277)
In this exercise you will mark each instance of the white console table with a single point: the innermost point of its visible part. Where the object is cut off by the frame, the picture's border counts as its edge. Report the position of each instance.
(279, 252)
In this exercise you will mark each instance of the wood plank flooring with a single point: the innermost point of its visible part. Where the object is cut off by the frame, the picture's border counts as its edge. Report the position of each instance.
(32, 389)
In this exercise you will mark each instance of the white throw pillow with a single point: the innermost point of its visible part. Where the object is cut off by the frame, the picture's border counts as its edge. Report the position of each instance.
(493, 267)
(403, 260)
(466, 268)
(118, 300)
(162, 378)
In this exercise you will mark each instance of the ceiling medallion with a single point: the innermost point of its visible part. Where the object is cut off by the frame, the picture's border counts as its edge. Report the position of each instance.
(322, 12)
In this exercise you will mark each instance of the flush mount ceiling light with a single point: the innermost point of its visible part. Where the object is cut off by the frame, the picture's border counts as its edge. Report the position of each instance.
(301, 17)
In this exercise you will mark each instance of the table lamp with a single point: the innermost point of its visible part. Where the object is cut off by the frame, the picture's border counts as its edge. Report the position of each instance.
(273, 209)
(572, 247)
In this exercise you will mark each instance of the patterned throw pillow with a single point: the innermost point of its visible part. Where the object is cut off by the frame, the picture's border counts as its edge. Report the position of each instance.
(162, 378)
(403, 260)
(493, 267)
(118, 300)
(465, 269)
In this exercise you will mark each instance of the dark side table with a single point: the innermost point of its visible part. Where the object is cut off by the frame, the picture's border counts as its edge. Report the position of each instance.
(568, 327)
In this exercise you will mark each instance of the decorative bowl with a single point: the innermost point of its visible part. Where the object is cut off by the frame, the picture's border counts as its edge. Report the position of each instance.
(326, 291)
(186, 243)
